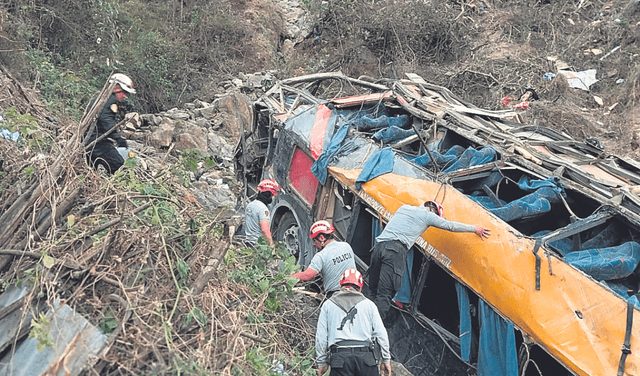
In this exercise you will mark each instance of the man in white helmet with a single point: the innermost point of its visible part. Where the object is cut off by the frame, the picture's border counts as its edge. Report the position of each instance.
(332, 260)
(350, 336)
(104, 152)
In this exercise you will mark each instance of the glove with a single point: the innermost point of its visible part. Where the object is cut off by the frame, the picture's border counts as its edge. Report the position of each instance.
(482, 232)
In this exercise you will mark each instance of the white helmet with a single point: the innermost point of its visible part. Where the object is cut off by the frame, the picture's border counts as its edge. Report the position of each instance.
(124, 81)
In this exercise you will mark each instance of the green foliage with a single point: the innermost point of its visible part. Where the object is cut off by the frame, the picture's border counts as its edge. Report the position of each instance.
(183, 270)
(191, 158)
(302, 364)
(28, 171)
(197, 314)
(29, 129)
(26, 123)
(109, 322)
(60, 89)
(256, 272)
(40, 331)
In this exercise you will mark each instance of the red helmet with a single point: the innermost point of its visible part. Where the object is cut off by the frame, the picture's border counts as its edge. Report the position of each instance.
(436, 205)
(351, 277)
(321, 227)
(269, 185)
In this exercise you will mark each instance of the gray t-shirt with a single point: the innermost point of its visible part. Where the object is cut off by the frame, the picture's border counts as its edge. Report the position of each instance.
(366, 325)
(334, 259)
(409, 222)
(255, 212)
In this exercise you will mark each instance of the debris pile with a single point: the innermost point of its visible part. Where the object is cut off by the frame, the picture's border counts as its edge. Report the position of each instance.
(146, 255)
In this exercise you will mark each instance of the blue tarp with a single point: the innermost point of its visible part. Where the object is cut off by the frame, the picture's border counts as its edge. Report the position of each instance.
(622, 290)
(368, 123)
(607, 263)
(334, 144)
(378, 164)
(404, 294)
(465, 322)
(497, 349)
(472, 157)
(563, 246)
(457, 158)
(392, 134)
(449, 157)
(546, 192)
(319, 167)
(11, 136)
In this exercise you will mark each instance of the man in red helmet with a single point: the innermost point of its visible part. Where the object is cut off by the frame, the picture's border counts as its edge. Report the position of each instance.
(350, 335)
(257, 219)
(104, 152)
(333, 259)
(389, 254)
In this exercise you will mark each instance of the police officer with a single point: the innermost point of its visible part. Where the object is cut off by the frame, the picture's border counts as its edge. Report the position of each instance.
(389, 254)
(257, 220)
(350, 335)
(334, 258)
(104, 152)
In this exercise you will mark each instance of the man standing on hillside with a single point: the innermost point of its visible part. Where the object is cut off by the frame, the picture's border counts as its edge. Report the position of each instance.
(332, 261)
(389, 254)
(104, 153)
(257, 219)
(350, 335)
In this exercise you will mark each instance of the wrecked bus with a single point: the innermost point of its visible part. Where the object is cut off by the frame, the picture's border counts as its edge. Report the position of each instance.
(553, 291)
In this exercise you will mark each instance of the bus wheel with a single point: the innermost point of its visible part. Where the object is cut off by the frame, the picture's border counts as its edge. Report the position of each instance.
(288, 233)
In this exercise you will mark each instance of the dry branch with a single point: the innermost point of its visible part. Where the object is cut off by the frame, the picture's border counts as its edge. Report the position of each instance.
(210, 269)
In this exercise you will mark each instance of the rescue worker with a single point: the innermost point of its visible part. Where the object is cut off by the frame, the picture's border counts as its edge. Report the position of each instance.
(333, 259)
(257, 219)
(350, 336)
(389, 254)
(104, 152)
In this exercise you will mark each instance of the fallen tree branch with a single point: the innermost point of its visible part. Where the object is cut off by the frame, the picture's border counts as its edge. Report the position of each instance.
(209, 270)
(114, 221)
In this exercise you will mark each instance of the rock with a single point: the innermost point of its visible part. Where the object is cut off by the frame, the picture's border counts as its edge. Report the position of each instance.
(239, 112)
(207, 111)
(192, 137)
(162, 137)
(215, 197)
(287, 48)
(397, 369)
(220, 147)
(203, 123)
(177, 114)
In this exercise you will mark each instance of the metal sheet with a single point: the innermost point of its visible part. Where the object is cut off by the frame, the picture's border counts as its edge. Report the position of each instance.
(76, 342)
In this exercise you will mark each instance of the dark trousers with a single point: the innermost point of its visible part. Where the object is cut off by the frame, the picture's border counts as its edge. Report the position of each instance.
(353, 362)
(107, 155)
(388, 259)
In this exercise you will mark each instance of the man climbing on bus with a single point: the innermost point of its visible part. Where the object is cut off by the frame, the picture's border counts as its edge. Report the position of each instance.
(334, 258)
(389, 254)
